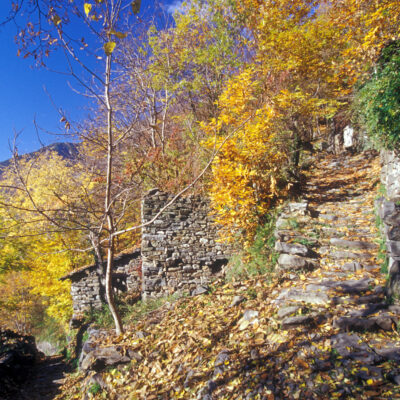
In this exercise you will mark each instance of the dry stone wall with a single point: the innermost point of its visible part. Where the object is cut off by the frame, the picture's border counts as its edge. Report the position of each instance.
(179, 253)
(87, 287)
(179, 249)
(86, 292)
(388, 208)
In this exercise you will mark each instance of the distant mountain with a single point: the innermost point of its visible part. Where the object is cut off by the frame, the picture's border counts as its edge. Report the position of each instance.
(68, 151)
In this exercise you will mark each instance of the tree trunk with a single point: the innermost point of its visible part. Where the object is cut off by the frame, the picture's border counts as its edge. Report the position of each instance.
(109, 288)
(108, 201)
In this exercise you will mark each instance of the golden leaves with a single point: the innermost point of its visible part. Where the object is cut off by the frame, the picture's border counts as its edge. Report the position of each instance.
(87, 7)
(109, 47)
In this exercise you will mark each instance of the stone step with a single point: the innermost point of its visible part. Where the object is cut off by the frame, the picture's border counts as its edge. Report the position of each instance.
(295, 295)
(383, 321)
(346, 255)
(292, 262)
(353, 244)
(301, 320)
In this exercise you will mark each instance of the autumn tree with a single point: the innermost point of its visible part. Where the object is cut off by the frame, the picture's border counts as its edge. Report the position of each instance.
(104, 139)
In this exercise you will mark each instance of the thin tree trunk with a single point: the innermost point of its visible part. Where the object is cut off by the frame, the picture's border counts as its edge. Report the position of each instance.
(107, 204)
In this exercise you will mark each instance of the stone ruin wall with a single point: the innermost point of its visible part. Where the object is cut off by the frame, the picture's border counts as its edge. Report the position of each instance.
(85, 292)
(179, 250)
(87, 288)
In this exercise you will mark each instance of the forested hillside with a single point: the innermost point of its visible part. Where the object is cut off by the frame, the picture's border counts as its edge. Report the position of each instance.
(232, 100)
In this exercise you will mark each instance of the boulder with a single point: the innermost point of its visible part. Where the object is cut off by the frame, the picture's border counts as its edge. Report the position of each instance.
(292, 261)
(291, 248)
(201, 289)
(101, 358)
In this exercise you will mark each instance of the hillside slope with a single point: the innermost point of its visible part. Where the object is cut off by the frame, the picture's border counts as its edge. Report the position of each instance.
(323, 333)
(68, 151)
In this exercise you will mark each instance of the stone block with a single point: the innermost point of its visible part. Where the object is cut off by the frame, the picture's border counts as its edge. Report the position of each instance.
(291, 248)
(393, 248)
(291, 261)
(298, 208)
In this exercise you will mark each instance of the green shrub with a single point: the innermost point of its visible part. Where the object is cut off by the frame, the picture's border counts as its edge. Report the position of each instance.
(377, 103)
(260, 257)
(95, 388)
(101, 318)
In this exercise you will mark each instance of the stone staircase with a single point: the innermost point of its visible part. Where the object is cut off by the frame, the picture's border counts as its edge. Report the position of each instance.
(328, 245)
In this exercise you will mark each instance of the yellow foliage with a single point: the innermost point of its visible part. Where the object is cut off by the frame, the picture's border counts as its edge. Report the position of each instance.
(33, 245)
(18, 306)
(246, 170)
(307, 56)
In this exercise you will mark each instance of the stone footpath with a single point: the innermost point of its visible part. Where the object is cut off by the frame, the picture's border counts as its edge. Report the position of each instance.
(45, 379)
(328, 245)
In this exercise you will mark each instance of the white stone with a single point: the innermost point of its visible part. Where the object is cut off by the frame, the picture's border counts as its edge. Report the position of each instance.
(348, 137)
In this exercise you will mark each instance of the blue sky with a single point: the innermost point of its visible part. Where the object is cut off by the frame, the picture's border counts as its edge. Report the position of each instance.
(28, 94)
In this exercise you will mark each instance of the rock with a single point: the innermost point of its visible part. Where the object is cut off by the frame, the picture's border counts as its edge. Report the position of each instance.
(237, 300)
(369, 299)
(221, 362)
(393, 247)
(222, 358)
(389, 351)
(387, 208)
(286, 311)
(343, 343)
(393, 233)
(353, 244)
(343, 254)
(394, 376)
(293, 322)
(348, 137)
(291, 261)
(372, 375)
(310, 297)
(291, 248)
(97, 379)
(254, 354)
(200, 290)
(47, 348)
(249, 318)
(394, 280)
(385, 322)
(357, 324)
(355, 286)
(370, 268)
(98, 359)
(300, 208)
(283, 235)
(188, 379)
(352, 266)
(282, 223)
(134, 355)
(141, 334)
(250, 315)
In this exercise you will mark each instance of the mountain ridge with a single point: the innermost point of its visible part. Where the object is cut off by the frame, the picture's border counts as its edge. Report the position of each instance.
(66, 150)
